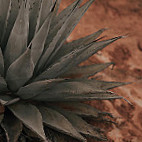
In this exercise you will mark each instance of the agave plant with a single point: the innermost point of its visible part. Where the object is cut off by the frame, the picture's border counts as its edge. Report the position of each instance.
(42, 88)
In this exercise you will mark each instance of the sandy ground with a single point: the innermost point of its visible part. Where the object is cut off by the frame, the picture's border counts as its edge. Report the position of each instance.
(122, 17)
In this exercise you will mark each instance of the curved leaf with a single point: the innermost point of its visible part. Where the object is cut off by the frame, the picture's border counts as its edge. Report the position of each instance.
(34, 89)
(18, 38)
(80, 109)
(63, 15)
(14, 9)
(4, 8)
(37, 44)
(59, 67)
(105, 85)
(80, 125)
(86, 71)
(70, 24)
(68, 47)
(20, 71)
(30, 116)
(46, 7)
(74, 87)
(35, 6)
(85, 40)
(65, 97)
(61, 18)
(58, 122)
(94, 48)
(52, 45)
(1, 63)
(79, 55)
(12, 127)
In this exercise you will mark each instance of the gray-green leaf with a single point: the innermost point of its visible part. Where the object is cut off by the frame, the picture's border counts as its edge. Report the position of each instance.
(60, 66)
(58, 122)
(37, 44)
(17, 42)
(86, 71)
(46, 7)
(14, 9)
(30, 116)
(34, 89)
(67, 48)
(80, 125)
(4, 8)
(104, 85)
(35, 6)
(81, 109)
(65, 97)
(92, 49)
(20, 71)
(54, 41)
(68, 26)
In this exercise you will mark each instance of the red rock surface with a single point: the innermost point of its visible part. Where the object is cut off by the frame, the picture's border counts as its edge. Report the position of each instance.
(122, 17)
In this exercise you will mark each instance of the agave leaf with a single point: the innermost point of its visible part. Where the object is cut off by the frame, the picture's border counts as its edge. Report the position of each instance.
(30, 116)
(4, 8)
(1, 63)
(101, 85)
(58, 122)
(85, 40)
(80, 109)
(59, 67)
(86, 71)
(58, 21)
(3, 85)
(46, 7)
(18, 38)
(20, 71)
(94, 48)
(39, 40)
(65, 97)
(90, 50)
(34, 89)
(35, 6)
(72, 22)
(83, 109)
(52, 44)
(105, 85)
(14, 9)
(67, 48)
(12, 127)
(80, 55)
(80, 125)
(61, 18)
(74, 87)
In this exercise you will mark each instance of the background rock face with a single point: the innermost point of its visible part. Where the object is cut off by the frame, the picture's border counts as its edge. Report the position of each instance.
(122, 17)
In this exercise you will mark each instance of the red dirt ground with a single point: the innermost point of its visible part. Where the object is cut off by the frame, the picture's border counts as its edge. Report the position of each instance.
(122, 17)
